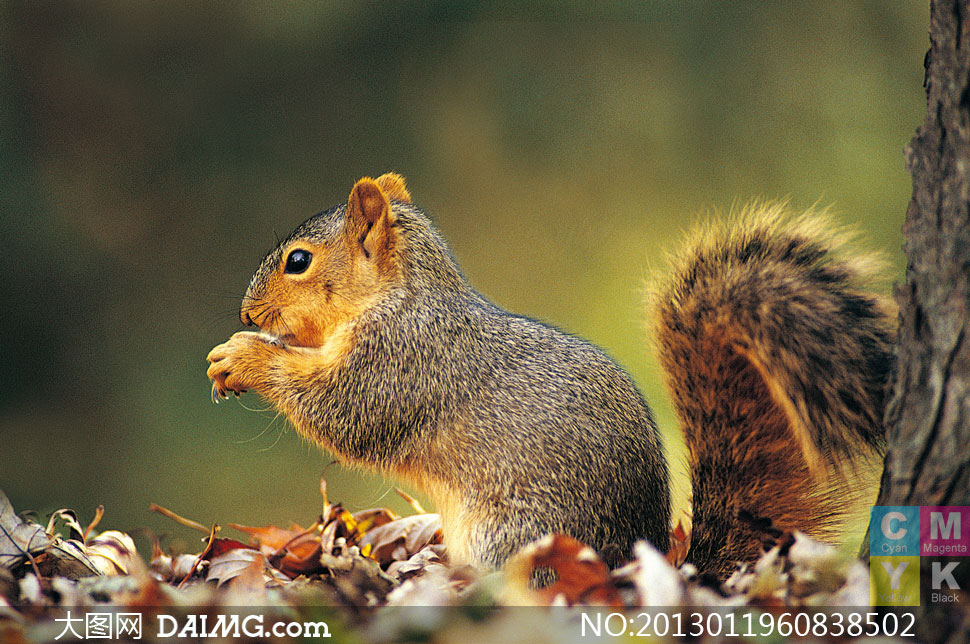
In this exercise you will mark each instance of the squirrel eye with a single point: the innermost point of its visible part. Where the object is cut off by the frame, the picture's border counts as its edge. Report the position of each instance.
(298, 261)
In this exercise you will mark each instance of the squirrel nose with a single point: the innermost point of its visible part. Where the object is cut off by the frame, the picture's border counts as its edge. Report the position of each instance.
(244, 316)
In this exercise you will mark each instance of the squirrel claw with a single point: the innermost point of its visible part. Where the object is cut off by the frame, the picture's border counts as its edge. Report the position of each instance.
(218, 393)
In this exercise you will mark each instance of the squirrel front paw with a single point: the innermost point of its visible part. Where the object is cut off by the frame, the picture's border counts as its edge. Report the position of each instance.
(241, 363)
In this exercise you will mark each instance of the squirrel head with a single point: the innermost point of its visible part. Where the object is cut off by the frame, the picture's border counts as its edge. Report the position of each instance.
(331, 268)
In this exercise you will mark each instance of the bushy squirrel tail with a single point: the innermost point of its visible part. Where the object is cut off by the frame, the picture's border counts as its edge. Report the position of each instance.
(777, 357)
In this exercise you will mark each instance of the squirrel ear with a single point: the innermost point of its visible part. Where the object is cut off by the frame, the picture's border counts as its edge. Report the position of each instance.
(393, 186)
(367, 202)
(370, 218)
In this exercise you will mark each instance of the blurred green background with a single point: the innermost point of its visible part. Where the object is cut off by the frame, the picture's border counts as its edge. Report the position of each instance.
(151, 150)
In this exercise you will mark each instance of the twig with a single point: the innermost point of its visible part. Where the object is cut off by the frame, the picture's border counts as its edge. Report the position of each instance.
(189, 523)
(98, 514)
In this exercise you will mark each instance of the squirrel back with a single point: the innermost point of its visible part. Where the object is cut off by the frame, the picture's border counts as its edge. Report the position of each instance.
(776, 356)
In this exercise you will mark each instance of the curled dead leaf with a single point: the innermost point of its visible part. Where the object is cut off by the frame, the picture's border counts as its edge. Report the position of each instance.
(70, 520)
(245, 564)
(419, 562)
(112, 552)
(398, 540)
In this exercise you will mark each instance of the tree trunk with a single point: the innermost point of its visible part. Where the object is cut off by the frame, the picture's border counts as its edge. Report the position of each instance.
(928, 414)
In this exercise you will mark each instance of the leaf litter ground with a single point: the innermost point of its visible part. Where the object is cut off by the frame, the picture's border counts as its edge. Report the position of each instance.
(365, 573)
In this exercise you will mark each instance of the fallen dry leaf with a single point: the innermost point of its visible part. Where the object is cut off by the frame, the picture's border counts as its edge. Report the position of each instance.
(112, 552)
(419, 562)
(401, 538)
(221, 545)
(271, 538)
(581, 576)
(18, 538)
(237, 562)
(373, 518)
(679, 544)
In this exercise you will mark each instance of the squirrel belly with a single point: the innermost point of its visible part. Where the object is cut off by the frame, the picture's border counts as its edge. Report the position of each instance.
(375, 346)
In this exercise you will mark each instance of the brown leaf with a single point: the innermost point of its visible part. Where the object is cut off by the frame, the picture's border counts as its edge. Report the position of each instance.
(294, 552)
(293, 544)
(67, 558)
(679, 544)
(221, 545)
(293, 565)
(269, 539)
(581, 575)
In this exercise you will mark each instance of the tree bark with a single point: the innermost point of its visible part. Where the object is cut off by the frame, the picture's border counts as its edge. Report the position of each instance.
(928, 414)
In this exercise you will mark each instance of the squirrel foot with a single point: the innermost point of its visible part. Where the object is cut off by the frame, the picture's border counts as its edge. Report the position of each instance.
(239, 364)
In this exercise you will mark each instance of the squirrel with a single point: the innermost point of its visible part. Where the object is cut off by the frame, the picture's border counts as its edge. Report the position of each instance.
(375, 346)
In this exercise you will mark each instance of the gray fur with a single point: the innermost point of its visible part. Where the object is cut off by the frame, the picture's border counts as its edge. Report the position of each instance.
(537, 430)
